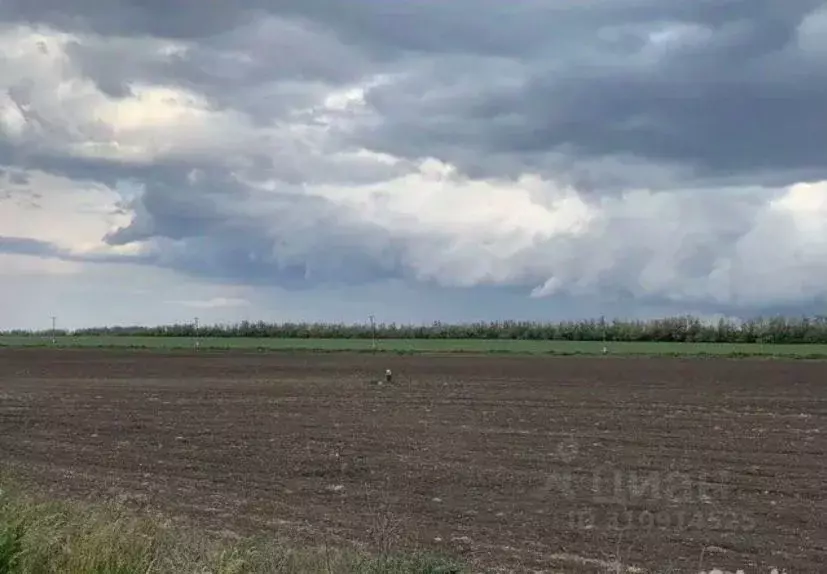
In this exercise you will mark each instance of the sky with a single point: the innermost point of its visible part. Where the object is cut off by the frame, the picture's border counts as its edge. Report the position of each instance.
(459, 160)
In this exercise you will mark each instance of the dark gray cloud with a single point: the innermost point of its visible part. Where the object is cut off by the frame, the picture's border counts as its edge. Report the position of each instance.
(48, 250)
(28, 246)
(499, 88)
(176, 19)
(474, 26)
(223, 229)
(266, 66)
(719, 97)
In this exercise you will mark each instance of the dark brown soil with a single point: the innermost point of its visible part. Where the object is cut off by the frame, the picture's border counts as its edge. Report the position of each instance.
(522, 463)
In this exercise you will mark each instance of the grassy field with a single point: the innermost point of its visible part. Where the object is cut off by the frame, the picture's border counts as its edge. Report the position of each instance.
(39, 536)
(430, 346)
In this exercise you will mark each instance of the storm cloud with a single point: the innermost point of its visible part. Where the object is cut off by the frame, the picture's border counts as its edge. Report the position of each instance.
(649, 152)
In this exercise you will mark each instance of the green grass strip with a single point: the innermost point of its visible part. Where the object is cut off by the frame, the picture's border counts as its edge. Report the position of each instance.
(487, 346)
(47, 537)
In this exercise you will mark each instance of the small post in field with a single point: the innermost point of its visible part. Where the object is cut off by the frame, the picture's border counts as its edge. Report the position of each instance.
(603, 324)
(373, 333)
(54, 329)
(197, 341)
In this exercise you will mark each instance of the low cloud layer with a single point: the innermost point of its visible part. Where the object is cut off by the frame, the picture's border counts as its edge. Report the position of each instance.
(638, 153)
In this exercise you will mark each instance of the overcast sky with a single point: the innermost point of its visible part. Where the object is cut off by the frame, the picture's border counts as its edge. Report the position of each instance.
(426, 160)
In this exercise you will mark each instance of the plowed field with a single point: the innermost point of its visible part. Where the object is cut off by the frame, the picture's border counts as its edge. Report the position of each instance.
(517, 463)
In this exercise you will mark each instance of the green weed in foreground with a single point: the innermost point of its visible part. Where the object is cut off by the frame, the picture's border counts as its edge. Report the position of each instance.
(49, 538)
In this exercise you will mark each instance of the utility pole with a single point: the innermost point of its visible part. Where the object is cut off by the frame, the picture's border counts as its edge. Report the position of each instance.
(373, 333)
(197, 341)
(54, 330)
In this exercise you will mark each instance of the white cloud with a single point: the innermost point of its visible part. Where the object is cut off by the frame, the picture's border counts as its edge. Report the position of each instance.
(462, 232)
(12, 117)
(781, 258)
(812, 33)
(66, 112)
(73, 215)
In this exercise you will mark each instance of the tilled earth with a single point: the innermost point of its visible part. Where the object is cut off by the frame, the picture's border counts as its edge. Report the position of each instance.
(516, 464)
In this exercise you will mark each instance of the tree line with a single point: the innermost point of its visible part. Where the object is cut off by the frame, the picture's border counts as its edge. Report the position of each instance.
(673, 329)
